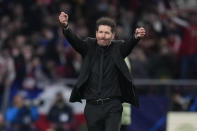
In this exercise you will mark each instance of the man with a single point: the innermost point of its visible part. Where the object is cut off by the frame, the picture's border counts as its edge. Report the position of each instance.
(61, 114)
(104, 80)
(20, 116)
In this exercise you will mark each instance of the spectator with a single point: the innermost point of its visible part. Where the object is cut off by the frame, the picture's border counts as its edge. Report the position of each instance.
(61, 115)
(21, 117)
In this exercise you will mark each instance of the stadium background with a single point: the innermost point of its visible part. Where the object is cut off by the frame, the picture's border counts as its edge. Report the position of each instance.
(36, 62)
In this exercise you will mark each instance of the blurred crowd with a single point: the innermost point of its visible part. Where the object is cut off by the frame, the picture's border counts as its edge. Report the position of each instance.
(34, 51)
(22, 115)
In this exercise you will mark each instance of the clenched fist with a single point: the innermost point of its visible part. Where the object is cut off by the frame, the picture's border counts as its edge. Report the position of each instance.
(140, 33)
(63, 18)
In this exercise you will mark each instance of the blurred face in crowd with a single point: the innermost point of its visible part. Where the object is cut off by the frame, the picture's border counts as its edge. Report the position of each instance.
(104, 35)
(18, 101)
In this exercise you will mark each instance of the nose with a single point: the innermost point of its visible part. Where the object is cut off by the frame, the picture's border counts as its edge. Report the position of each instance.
(103, 35)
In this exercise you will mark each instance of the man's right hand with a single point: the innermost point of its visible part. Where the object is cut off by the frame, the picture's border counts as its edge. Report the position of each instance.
(63, 18)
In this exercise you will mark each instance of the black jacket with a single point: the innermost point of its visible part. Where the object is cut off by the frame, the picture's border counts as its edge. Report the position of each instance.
(86, 48)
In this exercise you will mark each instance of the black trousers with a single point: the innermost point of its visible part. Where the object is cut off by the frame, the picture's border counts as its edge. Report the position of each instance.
(105, 117)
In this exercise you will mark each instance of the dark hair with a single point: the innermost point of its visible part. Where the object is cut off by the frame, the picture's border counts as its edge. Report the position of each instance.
(106, 21)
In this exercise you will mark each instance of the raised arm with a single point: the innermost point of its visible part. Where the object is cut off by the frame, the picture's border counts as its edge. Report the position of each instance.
(78, 44)
(126, 48)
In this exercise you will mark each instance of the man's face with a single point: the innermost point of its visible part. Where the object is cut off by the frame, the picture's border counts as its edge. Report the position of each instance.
(18, 101)
(104, 35)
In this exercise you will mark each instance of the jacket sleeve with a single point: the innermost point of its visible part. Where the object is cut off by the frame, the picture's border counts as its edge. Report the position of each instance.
(10, 115)
(79, 45)
(126, 47)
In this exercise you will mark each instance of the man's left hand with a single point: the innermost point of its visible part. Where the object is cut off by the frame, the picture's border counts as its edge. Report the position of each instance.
(140, 33)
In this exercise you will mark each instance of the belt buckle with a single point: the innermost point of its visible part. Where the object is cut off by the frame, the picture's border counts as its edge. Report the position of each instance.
(98, 101)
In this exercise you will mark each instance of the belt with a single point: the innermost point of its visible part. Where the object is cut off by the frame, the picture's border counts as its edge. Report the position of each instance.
(98, 101)
(101, 101)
